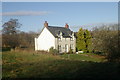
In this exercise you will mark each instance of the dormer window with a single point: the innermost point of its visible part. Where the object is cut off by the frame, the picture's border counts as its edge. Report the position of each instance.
(71, 39)
(58, 32)
(59, 38)
(73, 34)
(61, 33)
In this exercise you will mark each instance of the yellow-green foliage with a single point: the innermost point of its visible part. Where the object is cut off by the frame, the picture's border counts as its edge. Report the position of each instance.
(83, 40)
(80, 40)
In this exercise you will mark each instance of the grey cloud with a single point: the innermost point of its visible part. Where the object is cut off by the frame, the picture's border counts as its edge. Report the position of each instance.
(25, 13)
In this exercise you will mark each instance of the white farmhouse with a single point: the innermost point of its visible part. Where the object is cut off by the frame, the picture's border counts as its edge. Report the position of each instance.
(61, 38)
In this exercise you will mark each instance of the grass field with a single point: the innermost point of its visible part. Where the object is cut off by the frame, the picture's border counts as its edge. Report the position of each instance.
(84, 57)
(40, 65)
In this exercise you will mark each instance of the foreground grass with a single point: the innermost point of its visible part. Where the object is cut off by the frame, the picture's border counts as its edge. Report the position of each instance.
(33, 65)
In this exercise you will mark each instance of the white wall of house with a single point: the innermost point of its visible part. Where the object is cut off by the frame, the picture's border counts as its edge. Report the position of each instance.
(36, 45)
(45, 40)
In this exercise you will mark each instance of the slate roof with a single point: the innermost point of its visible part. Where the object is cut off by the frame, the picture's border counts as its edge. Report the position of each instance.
(56, 31)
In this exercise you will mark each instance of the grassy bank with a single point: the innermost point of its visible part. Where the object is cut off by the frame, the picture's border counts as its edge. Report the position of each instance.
(40, 65)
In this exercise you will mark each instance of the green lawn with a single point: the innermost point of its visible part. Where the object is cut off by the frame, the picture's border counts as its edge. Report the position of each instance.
(84, 57)
(33, 65)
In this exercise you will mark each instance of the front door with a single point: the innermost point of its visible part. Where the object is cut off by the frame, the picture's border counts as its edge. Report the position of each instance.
(66, 48)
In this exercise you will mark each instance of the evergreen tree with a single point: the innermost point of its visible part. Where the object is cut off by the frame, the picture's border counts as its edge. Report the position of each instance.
(83, 40)
(87, 39)
(80, 40)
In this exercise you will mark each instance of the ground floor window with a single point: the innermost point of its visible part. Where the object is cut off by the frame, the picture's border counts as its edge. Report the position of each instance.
(66, 48)
(59, 48)
(71, 46)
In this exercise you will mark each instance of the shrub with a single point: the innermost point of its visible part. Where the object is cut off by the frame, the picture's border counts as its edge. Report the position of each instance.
(70, 51)
(100, 53)
(6, 49)
(53, 51)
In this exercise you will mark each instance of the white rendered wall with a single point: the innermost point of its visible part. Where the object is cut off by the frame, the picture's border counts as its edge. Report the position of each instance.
(45, 40)
(66, 41)
(36, 47)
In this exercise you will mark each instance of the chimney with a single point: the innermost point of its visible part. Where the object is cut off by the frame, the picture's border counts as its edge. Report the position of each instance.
(46, 24)
(66, 25)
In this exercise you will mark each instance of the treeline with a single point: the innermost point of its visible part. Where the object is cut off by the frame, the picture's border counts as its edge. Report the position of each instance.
(106, 40)
(13, 38)
(19, 40)
(102, 40)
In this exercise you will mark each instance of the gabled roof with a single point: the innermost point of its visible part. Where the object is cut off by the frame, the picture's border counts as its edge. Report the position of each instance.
(66, 32)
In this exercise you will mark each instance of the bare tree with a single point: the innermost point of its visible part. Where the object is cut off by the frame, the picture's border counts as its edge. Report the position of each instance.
(11, 26)
(9, 33)
(105, 39)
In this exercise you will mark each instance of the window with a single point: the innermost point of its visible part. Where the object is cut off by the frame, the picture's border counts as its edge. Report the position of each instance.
(59, 48)
(59, 39)
(71, 46)
(71, 39)
(66, 47)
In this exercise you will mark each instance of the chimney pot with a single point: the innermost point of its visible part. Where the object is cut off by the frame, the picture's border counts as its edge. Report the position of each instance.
(66, 25)
(46, 24)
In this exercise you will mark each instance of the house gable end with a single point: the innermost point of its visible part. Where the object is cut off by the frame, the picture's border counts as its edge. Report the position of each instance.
(45, 40)
(42, 31)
